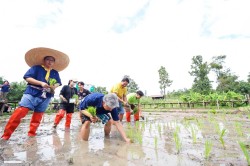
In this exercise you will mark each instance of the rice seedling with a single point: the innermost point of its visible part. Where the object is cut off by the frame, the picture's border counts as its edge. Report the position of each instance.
(159, 129)
(217, 127)
(222, 134)
(194, 133)
(92, 110)
(177, 139)
(139, 137)
(208, 149)
(156, 142)
(245, 152)
(238, 127)
(143, 125)
(200, 124)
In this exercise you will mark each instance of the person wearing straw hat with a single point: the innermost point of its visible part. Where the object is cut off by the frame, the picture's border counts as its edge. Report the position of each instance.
(42, 78)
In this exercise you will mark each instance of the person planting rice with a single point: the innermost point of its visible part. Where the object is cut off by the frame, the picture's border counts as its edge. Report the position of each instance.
(133, 106)
(104, 104)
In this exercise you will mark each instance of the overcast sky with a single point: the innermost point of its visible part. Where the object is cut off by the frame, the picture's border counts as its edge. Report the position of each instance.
(107, 39)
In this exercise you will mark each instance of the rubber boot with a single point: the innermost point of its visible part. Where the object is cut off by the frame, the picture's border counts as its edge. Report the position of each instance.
(34, 123)
(68, 120)
(136, 116)
(59, 117)
(128, 114)
(14, 121)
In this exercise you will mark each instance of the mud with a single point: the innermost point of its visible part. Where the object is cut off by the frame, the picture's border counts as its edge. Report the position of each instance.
(154, 141)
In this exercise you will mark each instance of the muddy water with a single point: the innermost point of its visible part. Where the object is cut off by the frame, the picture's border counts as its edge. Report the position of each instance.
(154, 142)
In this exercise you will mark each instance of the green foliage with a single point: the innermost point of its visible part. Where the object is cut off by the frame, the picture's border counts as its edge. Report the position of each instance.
(17, 90)
(92, 110)
(1, 80)
(75, 97)
(100, 89)
(200, 71)
(248, 77)
(132, 86)
(245, 152)
(164, 79)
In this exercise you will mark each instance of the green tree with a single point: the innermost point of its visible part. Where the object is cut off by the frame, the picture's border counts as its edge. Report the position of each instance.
(217, 65)
(164, 80)
(248, 77)
(16, 91)
(227, 81)
(1, 80)
(243, 87)
(132, 86)
(200, 71)
(101, 89)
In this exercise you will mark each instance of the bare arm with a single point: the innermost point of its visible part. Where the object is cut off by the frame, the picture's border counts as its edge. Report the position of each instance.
(121, 131)
(36, 82)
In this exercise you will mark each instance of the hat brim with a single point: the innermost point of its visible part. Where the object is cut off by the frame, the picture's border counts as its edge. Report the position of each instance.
(36, 56)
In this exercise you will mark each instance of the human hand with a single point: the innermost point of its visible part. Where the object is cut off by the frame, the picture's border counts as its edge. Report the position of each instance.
(45, 85)
(93, 119)
(128, 140)
(64, 99)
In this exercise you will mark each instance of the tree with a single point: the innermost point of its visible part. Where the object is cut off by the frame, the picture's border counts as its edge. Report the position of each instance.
(200, 71)
(132, 86)
(217, 65)
(248, 77)
(164, 80)
(16, 91)
(1, 80)
(101, 89)
(227, 81)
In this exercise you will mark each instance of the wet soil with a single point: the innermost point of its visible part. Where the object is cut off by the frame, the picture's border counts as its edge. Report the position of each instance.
(162, 138)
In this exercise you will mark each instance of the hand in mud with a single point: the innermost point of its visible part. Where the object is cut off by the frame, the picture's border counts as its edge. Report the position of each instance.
(128, 140)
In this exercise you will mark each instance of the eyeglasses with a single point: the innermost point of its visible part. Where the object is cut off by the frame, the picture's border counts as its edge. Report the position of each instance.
(75, 81)
(51, 60)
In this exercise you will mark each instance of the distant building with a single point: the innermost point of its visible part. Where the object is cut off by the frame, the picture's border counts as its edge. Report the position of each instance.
(157, 96)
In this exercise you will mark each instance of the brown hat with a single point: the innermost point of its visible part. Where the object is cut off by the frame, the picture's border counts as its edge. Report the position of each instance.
(36, 56)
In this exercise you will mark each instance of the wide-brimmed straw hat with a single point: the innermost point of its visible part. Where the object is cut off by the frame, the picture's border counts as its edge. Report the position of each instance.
(36, 56)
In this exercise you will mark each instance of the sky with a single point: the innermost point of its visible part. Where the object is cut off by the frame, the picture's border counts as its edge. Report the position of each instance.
(106, 40)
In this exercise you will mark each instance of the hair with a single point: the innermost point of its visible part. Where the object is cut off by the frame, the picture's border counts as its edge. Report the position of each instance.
(139, 92)
(125, 79)
(111, 100)
(48, 57)
(82, 83)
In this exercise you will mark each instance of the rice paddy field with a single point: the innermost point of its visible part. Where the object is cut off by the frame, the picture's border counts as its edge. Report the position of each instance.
(170, 137)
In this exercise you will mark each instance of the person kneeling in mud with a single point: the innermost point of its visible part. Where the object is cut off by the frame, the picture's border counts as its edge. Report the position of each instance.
(104, 104)
(133, 106)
